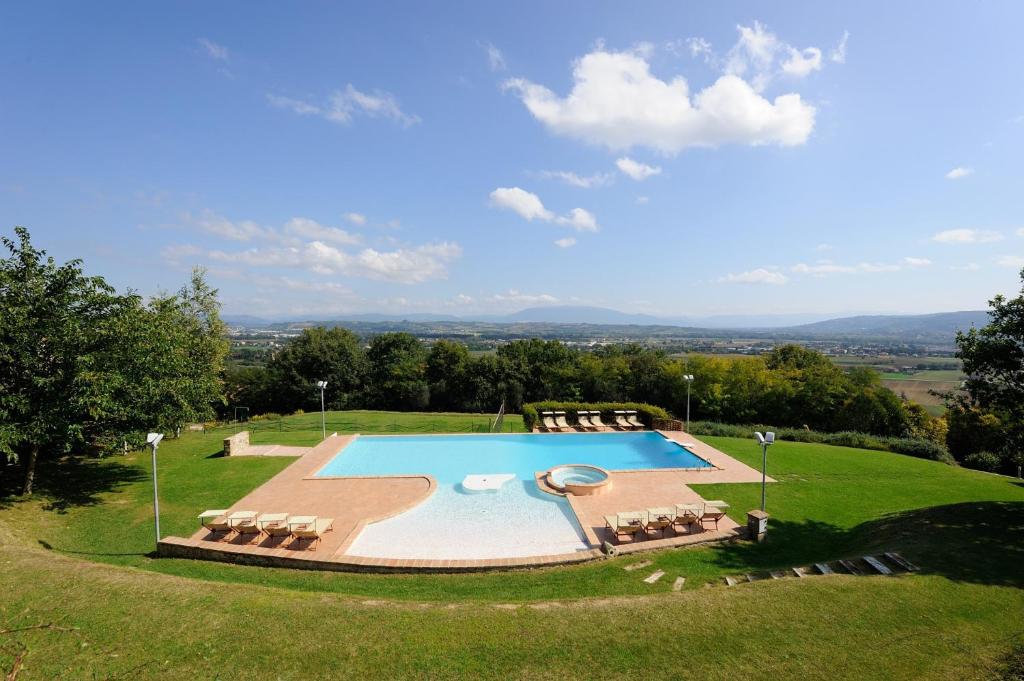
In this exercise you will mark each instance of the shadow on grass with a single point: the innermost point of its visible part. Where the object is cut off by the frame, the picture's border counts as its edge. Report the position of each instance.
(50, 547)
(980, 542)
(70, 481)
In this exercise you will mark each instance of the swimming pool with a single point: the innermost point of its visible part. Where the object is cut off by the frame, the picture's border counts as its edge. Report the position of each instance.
(514, 520)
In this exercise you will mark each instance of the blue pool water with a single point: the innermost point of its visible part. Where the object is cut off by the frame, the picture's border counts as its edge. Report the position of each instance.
(451, 458)
(518, 519)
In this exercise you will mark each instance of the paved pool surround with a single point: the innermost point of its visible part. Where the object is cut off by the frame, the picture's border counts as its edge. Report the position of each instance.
(355, 502)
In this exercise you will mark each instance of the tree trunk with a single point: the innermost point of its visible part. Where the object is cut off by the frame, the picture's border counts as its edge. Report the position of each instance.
(30, 470)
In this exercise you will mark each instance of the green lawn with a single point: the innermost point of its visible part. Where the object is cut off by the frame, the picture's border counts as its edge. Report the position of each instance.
(89, 540)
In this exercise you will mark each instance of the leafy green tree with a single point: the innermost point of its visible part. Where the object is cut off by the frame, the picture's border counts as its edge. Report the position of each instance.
(333, 355)
(447, 366)
(397, 372)
(53, 321)
(993, 360)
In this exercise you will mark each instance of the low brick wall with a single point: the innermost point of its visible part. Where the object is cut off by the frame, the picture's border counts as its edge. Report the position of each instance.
(236, 444)
(667, 424)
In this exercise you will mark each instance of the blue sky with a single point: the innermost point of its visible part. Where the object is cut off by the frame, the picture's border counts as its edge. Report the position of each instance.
(669, 158)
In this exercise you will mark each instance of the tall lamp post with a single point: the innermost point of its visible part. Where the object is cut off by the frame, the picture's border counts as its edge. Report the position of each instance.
(689, 381)
(765, 441)
(153, 440)
(323, 418)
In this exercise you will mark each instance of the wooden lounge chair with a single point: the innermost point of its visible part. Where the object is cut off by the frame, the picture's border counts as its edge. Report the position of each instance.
(621, 422)
(309, 527)
(659, 519)
(561, 422)
(244, 523)
(625, 524)
(595, 420)
(583, 419)
(274, 525)
(713, 510)
(688, 516)
(634, 419)
(548, 419)
(215, 521)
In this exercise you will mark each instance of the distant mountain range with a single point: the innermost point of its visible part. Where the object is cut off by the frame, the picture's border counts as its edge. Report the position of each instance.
(925, 325)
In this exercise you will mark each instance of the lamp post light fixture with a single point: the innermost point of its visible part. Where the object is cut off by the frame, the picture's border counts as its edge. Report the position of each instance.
(323, 418)
(153, 440)
(765, 441)
(689, 381)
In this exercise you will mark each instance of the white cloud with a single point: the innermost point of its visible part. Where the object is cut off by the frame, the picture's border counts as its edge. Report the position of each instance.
(826, 267)
(616, 102)
(1010, 261)
(529, 207)
(801, 63)
(343, 105)
(244, 230)
(636, 170)
(580, 220)
(917, 262)
(959, 172)
(355, 218)
(824, 247)
(969, 267)
(583, 181)
(759, 55)
(758, 276)
(699, 47)
(527, 204)
(213, 50)
(310, 229)
(643, 199)
(514, 296)
(1020, 231)
(565, 242)
(463, 299)
(967, 236)
(838, 55)
(495, 59)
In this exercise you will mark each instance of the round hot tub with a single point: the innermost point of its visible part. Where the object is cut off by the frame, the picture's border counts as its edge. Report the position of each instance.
(579, 479)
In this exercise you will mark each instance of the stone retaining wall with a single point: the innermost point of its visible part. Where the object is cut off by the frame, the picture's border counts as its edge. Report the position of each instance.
(236, 444)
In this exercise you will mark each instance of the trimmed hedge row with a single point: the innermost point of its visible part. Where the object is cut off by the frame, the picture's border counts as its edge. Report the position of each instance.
(646, 412)
(919, 447)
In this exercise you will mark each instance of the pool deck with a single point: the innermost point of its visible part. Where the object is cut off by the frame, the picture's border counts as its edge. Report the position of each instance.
(354, 502)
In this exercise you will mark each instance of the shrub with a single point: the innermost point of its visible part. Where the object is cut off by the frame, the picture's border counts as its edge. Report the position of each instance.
(919, 447)
(646, 412)
(983, 461)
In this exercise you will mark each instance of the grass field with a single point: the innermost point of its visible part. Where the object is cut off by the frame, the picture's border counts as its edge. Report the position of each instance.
(88, 534)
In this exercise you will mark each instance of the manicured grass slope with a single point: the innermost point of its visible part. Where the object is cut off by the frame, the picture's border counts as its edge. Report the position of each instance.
(965, 528)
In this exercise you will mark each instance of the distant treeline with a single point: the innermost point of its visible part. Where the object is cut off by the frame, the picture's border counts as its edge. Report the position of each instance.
(790, 386)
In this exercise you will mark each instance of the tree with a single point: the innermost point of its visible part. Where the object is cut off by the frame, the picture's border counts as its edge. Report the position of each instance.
(447, 365)
(54, 321)
(333, 355)
(397, 372)
(993, 360)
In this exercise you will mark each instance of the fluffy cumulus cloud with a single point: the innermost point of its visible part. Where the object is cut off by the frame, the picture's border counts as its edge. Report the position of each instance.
(355, 218)
(758, 276)
(959, 173)
(616, 102)
(916, 262)
(823, 268)
(574, 180)
(967, 236)
(636, 170)
(529, 207)
(306, 245)
(342, 106)
(760, 56)
(1015, 261)
(566, 242)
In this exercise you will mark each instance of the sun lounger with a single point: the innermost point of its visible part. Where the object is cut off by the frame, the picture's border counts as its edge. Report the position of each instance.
(561, 422)
(548, 419)
(621, 422)
(633, 419)
(214, 520)
(659, 519)
(274, 524)
(595, 420)
(688, 516)
(625, 524)
(244, 523)
(309, 527)
(583, 419)
(713, 511)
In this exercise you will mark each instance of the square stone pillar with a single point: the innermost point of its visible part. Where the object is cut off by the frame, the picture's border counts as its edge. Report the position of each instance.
(757, 525)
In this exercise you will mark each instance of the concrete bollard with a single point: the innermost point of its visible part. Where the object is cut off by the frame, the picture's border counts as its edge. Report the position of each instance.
(757, 525)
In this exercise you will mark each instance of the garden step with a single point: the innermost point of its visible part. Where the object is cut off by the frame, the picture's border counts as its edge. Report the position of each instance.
(778, 574)
(637, 566)
(654, 576)
(902, 562)
(851, 567)
(801, 571)
(731, 581)
(823, 568)
(878, 565)
(678, 584)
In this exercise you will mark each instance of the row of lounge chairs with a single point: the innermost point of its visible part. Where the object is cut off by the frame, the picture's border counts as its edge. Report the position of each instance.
(555, 421)
(691, 516)
(252, 526)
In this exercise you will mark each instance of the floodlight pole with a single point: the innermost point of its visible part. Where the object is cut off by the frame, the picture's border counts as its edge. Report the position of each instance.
(153, 440)
(689, 382)
(764, 475)
(323, 418)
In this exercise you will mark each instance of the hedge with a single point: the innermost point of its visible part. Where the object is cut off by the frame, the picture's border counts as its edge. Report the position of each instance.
(919, 447)
(646, 412)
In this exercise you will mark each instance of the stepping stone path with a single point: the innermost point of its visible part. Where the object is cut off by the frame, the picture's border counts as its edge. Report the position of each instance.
(637, 566)
(893, 564)
(678, 584)
(654, 576)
